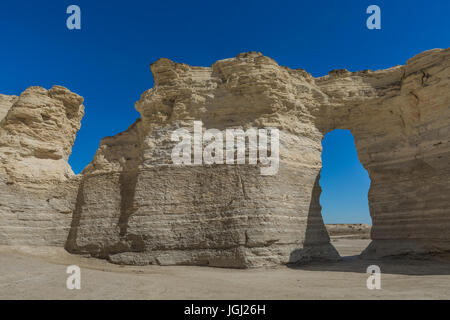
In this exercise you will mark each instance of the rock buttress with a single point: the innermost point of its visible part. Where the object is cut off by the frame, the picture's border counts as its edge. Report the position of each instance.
(132, 205)
(140, 208)
(137, 207)
(37, 185)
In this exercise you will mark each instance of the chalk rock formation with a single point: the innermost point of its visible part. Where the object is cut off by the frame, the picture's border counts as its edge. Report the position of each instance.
(37, 186)
(5, 104)
(136, 207)
(400, 118)
(133, 205)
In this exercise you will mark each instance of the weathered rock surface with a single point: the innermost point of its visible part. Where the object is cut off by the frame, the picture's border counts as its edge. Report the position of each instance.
(134, 206)
(400, 118)
(5, 104)
(37, 186)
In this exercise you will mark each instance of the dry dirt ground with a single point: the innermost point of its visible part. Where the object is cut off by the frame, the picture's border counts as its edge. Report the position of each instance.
(40, 273)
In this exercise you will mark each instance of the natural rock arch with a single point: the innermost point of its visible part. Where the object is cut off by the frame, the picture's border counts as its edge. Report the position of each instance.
(345, 184)
(135, 207)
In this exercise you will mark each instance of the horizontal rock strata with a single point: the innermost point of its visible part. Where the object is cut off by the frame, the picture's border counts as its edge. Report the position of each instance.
(37, 186)
(133, 205)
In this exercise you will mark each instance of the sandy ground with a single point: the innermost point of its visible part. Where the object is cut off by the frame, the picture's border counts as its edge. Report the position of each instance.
(40, 273)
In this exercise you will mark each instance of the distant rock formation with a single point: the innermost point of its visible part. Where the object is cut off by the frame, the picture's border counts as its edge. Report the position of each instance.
(132, 205)
(349, 230)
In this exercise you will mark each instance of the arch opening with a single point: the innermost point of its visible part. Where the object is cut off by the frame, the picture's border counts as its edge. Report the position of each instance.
(345, 185)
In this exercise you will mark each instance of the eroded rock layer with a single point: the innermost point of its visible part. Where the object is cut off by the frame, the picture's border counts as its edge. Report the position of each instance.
(37, 186)
(133, 205)
(401, 122)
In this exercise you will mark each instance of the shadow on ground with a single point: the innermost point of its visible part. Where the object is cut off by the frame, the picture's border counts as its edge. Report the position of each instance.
(436, 265)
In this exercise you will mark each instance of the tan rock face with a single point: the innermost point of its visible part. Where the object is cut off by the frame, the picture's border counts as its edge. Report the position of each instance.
(5, 104)
(37, 185)
(402, 133)
(37, 134)
(134, 206)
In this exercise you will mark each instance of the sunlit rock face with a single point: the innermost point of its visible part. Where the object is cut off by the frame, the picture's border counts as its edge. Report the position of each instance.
(400, 118)
(37, 186)
(133, 205)
(148, 210)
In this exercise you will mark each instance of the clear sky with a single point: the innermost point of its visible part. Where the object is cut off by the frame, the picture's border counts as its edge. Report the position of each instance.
(107, 61)
(344, 181)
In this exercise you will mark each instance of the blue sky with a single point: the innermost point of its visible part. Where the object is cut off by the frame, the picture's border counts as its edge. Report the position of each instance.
(344, 181)
(107, 61)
